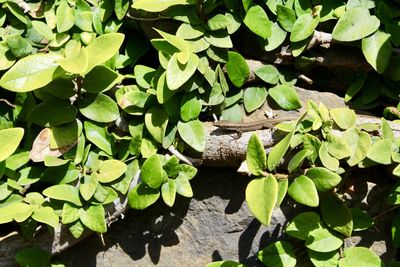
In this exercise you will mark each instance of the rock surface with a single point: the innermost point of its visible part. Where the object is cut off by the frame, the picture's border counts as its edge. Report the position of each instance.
(216, 224)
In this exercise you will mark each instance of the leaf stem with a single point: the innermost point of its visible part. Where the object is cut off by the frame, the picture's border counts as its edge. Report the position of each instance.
(386, 211)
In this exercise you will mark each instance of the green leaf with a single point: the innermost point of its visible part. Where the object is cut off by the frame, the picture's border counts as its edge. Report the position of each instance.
(63, 192)
(178, 73)
(279, 254)
(218, 22)
(30, 73)
(322, 240)
(76, 58)
(256, 158)
(377, 50)
(121, 7)
(168, 192)
(303, 191)
(187, 172)
(220, 39)
(355, 87)
(278, 151)
(19, 46)
(360, 256)
(257, 21)
(70, 213)
(33, 257)
(46, 215)
(99, 108)
(254, 97)
(99, 136)
(76, 228)
(301, 225)
(361, 219)
(237, 68)
(188, 31)
(343, 117)
(261, 195)
(142, 196)
(163, 91)
(268, 74)
(387, 132)
(13, 137)
(282, 190)
(100, 79)
(297, 160)
(359, 143)
(156, 121)
(192, 132)
(6, 57)
(190, 107)
(183, 187)
(337, 147)
(355, 24)
(65, 17)
(159, 5)
(324, 259)
(380, 152)
(324, 179)
(286, 17)
(152, 172)
(65, 134)
(286, 97)
(53, 112)
(336, 215)
(93, 217)
(277, 38)
(103, 48)
(122, 185)
(110, 170)
(303, 27)
(302, 7)
(225, 264)
(144, 75)
(327, 160)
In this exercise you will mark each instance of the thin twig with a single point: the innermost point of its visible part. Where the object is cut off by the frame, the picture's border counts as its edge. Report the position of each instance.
(305, 79)
(386, 211)
(186, 159)
(147, 19)
(7, 102)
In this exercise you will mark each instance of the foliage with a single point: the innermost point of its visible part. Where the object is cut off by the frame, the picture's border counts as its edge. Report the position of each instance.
(91, 100)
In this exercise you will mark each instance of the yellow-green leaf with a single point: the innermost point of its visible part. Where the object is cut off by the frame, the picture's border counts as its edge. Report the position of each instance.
(30, 73)
(159, 5)
(261, 195)
(10, 141)
(103, 48)
(110, 170)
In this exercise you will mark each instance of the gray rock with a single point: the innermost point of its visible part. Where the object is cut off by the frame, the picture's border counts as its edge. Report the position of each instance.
(216, 224)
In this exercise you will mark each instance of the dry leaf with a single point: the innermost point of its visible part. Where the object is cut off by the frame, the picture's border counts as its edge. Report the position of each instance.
(41, 147)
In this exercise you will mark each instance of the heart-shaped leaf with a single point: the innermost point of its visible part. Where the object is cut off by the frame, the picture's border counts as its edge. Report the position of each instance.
(192, 132)
(261, 195)
(355, 24)
(303, 191)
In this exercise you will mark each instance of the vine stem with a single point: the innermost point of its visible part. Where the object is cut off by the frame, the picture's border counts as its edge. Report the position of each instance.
(7, 102)
(386, 211)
